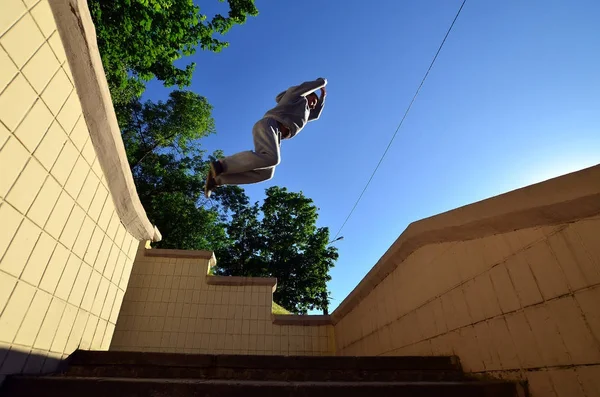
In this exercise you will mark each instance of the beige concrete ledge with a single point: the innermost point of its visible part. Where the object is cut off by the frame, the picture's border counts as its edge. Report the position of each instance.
(173, 253)
(78, 35)
(182, 254)
(304, 320)
(239, 281)
(211, 280)
(560, 200)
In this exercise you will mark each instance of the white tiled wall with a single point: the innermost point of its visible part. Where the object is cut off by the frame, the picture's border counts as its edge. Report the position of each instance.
(65, 257)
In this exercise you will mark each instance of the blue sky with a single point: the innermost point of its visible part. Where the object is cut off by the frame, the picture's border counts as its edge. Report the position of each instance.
(513, 99)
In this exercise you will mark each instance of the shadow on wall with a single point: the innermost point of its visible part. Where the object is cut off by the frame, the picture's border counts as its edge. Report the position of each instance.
(14, 361)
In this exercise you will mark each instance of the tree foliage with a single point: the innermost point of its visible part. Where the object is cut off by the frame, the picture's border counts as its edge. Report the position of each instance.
(176, 124)
(141, 39)
(162, 145)
(170, 189)
(280, 239)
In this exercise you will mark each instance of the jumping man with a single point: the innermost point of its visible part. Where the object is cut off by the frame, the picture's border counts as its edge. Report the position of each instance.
(295, 107)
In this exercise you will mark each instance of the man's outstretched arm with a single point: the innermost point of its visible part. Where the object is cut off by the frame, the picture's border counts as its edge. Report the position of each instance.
(305, 88)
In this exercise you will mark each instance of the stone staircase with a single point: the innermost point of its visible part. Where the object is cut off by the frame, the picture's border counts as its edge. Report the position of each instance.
(110, 373)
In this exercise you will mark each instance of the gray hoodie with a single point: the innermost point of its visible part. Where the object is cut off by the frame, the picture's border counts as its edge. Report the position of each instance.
(292, 106)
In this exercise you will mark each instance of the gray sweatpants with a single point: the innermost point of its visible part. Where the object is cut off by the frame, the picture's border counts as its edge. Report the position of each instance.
(258, 165)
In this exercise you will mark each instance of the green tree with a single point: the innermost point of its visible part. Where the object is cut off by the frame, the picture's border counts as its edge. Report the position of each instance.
(162, 145)
(276, 239)
(176, 124)
(141, 39)
(170, 188)
(280, 239)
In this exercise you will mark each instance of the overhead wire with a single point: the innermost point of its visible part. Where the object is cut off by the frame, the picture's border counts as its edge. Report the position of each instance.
(402, 120)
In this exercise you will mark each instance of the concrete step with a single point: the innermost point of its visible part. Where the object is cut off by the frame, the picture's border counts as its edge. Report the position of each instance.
(54, 386)
(91, 357)
(261, 368)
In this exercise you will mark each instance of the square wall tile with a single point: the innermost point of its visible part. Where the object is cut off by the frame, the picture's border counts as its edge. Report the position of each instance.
(111, 263)
(87, 192)
(120, 266)
(19, 250)
(120, 236)
(57, 47)
(44, 202)
(507, 296)
(77, 331)
(100, 296)
(71, 230)
(97, 202)
(66, 67)
(11, 220)
(36, 265)
(549, 340)
(70, 113)
(8, 70)
(12, 10)
(539, 384)
(106, 215)
(580, 237)
(79, 134)
(51, 146)
(15, 102)
(523, 280)
(80, 284)
(90, 291)
(35, 362)
(59, 215)
(88, 152)
(88, 333)
(7, 285)
(548, 274)
(44, 18)
(108, 335)
(94, 246)
(57, 92)
(31, 131)
(40, 68)
(83, 239)
(113, 227)
(13, 157)
(13, 314)
(588, 301)
(67, 279)
(67, 321)
(582, 346)
(99, 335)
(55, 268)
(33, 319)
(103, 252)
(566, 383)
(98, 171)
(65, 164)
(25, 190)
(117, 306)
(77, 177)
(22, 40)
(15, 360)
(589, 377)
(31, 3)
(4, 135)
(109, 302)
